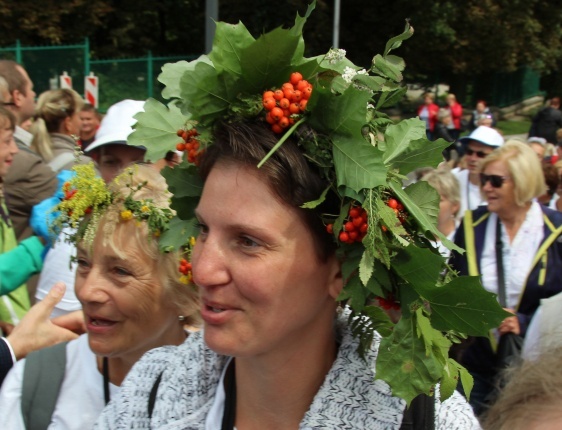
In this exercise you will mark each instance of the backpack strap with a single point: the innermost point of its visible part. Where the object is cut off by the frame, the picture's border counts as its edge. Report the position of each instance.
(420, 415)
(60, 160)
(42, 378)
(152, 395)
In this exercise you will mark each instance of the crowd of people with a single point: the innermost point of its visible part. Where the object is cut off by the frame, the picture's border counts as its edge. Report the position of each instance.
(242, 327)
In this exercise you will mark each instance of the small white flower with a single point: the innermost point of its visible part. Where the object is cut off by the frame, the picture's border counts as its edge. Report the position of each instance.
(348, 74)
(335, 55)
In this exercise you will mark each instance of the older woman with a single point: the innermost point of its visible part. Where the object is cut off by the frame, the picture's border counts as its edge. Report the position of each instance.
(56, 127)
(133, 300)
(274, 352)
(516, 233)
(447, 185)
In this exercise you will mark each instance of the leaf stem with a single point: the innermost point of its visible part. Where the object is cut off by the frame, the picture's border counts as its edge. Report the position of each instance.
(281, 141)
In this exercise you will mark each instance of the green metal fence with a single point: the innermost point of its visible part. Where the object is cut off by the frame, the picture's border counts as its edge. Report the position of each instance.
(136, 77)
(133, 78)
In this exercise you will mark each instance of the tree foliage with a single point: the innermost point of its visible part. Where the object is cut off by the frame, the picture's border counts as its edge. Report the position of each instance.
(452, 38)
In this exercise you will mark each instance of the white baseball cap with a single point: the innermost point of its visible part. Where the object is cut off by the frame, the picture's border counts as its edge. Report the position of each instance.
(117, 124)
(484, 135)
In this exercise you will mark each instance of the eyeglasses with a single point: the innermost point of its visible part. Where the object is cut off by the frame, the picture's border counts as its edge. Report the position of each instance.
(479, 154)
(496, 181)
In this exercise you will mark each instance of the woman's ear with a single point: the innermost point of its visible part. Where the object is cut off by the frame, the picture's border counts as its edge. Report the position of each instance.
(336, 278)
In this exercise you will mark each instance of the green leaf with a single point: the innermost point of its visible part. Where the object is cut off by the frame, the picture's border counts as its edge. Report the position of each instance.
(463, 305)
(379, 319)
(421, 152)
(171, 76)
(387, 68)
(351, 262)
(403, 362)
(205, 93)
(297, 31)
(466, 380)
(156, 129)
(396, 41)
(319, 201)
(355, 291)
(399, 136)
(374, 83)
(388, 99)
(449, 381)
(422, 201)
(183, 181)
(419, 267)
(366, 267)
(178, 233)
(265, 62)
(229, 41)
(358, 164)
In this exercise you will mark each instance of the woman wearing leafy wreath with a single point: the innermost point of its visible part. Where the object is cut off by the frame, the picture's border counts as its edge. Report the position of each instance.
(280, 204)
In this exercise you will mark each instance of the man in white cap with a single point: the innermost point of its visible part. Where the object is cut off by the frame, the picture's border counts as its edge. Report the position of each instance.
(110, 149)
(112, 155)
(481, 142)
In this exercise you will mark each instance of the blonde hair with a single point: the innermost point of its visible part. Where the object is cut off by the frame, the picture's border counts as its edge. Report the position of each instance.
(116, 234)
(7, 119)
(443, 113)
(445, 183)
(4, 90)
(533, 394)
(53, 107)
(524, 168)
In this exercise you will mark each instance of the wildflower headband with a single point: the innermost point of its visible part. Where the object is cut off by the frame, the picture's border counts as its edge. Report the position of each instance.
(384, 231)
(87, 198)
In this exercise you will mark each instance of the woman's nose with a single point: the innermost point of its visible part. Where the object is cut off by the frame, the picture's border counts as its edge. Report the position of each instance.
(209, 262)
(91, 288)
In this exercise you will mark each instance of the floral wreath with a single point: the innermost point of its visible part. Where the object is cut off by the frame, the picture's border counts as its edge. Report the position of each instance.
(384, 231)
(87, 198)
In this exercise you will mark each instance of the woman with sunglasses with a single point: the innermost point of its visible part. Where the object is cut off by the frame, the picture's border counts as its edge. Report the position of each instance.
(512, 244)
(477, 145)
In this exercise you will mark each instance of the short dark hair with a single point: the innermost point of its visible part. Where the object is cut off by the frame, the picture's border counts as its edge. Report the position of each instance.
(289, 175)
(14, 78)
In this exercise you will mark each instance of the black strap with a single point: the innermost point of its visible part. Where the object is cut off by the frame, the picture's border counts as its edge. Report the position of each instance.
(229, 414)
(152, 395)
(106, 380)
(42, 378)
(499, 265)
(420, 415)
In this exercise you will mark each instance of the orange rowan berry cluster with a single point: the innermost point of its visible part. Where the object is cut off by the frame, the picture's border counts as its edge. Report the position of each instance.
(190, 144)
(355, 228)
(285, 105)
(388, 303)
(398, 209)
(185, 270)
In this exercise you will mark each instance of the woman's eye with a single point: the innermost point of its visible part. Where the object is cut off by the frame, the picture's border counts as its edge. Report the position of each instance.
(120, 271)
(247, 242)
(82, 263)
(203, 229)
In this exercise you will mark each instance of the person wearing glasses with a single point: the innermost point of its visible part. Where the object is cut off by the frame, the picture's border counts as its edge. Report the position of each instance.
(477, 145)
(513, 244)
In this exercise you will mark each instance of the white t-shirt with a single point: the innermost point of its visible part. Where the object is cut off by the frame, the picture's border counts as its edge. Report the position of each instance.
(81, 397)
(471, 197)
(57, 267)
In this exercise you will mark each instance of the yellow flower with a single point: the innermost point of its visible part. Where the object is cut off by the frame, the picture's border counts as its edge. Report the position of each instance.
(185, 279)
(126, 215)
(192, 241)
(145, 209)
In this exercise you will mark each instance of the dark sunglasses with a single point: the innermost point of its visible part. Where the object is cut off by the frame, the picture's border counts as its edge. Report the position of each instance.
(496, 181)
(479, 154)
